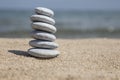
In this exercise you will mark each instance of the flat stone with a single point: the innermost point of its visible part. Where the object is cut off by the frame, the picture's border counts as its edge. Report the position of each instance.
(43, 53)
(44, 27)
(42, 18)
(43, 44)
(43, 35)
(44, 11)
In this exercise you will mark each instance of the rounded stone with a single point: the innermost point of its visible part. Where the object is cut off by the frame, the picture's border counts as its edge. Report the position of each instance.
(42, 18)
(43, 53)
(43, 35)
(43, 44)
(44, 27)
(44, 11)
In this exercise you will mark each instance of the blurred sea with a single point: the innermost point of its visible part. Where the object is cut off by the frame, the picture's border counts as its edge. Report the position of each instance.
(70, 24)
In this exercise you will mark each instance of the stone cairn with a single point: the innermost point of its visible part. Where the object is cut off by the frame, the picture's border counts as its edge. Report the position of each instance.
(43, 34)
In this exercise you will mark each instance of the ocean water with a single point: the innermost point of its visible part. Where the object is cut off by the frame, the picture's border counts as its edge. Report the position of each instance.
(70, 24)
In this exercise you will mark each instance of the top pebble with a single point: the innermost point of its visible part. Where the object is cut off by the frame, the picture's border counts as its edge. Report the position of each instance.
(44, 11)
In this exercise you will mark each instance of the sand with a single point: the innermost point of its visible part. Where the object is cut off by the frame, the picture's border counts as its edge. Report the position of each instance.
(80, 59)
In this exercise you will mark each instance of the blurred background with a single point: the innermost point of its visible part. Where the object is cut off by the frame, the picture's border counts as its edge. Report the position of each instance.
(74, 18)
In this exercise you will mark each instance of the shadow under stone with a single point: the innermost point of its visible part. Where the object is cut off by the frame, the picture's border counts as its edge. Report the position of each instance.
(25, 54)
(19, 52)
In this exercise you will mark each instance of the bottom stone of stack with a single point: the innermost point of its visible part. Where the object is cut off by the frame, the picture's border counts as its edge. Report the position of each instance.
(43, 53)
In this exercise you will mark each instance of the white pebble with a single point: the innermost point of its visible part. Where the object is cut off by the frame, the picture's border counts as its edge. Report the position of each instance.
(43, 35)
(43, 53)
(43, 44)
(44, 27)
(42, 18)
(44, 11)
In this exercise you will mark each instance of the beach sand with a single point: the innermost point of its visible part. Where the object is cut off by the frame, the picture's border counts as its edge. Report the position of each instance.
(80, 59)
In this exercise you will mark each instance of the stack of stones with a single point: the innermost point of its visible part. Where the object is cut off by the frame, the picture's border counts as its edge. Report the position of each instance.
(43, 25)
